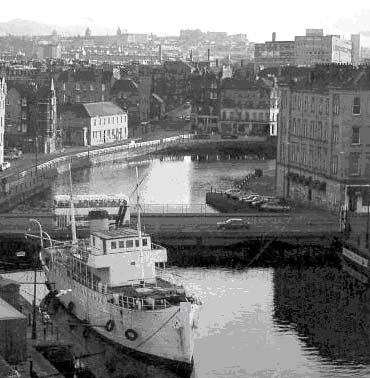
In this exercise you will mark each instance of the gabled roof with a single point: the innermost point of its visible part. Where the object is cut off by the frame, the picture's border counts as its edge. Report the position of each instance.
(92, 109)
(95, 109)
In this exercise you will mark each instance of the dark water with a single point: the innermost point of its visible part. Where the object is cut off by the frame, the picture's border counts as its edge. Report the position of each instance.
(286, 323)
(167, 180)
(311, 323)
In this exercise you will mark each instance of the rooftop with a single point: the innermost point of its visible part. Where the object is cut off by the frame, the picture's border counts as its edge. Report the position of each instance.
(118, 233)
(92, 109)
(9, 312)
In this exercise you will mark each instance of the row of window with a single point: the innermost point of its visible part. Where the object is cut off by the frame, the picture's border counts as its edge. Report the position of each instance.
(109, 120)
(319, 105)
(127, 243)
(240, 116)
(79, 87)
(111, 133)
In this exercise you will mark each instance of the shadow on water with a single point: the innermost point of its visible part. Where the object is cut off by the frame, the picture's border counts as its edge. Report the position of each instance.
(328, 309)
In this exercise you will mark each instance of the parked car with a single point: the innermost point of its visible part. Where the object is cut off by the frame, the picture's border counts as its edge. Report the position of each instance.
(4, 166)
(249, 199)
(233, 224)
(275, 205)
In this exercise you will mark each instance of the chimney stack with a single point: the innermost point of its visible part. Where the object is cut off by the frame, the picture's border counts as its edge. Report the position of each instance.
(274, 37)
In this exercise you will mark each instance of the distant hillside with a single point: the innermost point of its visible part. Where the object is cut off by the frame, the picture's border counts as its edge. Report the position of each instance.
(28, 27)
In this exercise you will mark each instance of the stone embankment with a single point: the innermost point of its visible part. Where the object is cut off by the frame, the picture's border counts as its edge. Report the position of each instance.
(19, 185)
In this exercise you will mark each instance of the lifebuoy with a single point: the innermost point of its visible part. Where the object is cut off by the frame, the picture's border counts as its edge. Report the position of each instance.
(71, 307)
(110, 325)
(131, 334)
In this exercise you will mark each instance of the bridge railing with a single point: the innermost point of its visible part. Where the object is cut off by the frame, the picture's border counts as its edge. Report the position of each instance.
(175, 209)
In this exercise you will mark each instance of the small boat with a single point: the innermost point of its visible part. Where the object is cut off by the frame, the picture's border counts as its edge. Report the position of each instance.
(116, 283)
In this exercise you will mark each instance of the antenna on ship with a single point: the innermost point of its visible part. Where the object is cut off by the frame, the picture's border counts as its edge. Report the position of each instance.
(73, 220)
(138, 208)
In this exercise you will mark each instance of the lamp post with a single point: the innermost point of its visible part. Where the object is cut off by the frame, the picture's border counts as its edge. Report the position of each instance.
(367, 218)
(34, 335)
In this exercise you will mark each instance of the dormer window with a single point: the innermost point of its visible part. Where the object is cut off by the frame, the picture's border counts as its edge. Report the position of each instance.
(113, 245)
(121, 244)
(145, 242)
(137, 243)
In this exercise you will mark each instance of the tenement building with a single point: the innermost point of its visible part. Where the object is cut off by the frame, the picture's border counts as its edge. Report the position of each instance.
(249, 107)
(323, 154)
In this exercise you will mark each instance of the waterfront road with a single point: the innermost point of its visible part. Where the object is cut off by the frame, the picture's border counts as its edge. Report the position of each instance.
(260, 223)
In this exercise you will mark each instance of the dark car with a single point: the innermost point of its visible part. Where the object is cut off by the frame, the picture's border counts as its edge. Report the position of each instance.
(233, 224)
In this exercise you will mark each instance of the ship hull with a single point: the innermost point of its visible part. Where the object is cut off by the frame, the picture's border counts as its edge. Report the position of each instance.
(162, 338)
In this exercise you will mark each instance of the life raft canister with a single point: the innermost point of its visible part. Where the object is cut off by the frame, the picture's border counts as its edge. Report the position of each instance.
(110, 325)
(131, 334)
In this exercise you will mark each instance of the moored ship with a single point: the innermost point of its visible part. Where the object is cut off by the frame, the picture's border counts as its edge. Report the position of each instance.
(116, 283)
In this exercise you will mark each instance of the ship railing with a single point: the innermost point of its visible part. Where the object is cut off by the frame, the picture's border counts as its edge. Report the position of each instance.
(172, 278)
(137, 303)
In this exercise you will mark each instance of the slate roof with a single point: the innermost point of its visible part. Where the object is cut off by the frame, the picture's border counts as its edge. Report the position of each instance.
(124, 85)
(32, 92)
(92, 109)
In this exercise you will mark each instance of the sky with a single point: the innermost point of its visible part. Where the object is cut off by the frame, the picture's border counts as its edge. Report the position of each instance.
(257, 19)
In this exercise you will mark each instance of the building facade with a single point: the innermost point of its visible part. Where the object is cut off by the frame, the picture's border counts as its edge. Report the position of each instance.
(249, 107)
(323, 157)
(3, 92)
(93, 124)
(274, 53)
(317, 48)
(31, 117)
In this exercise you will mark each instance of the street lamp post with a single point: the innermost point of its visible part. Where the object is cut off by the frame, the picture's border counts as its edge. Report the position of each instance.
(34, 334)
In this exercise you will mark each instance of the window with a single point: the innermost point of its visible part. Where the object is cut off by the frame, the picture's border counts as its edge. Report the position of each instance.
(78, 98)
(326, 106)
(129, 243)
(78, 87)
(121, 244)
(113, 245)
(93, 238)
(145, 242)
(313, 105)
(355, 135)
(356, 108)
(334, 165)
(136, 243)
(335, 134)
(305, 104)
(132, 263)
(336, 104)
(354, 164)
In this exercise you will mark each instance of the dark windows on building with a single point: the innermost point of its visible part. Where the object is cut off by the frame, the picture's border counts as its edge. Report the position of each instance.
(356, 107)
(354, 164)
(355, 135)
(336, 104)
(334, 165)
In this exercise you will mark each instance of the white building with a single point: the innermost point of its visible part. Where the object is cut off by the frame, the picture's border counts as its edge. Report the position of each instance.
(93, 123)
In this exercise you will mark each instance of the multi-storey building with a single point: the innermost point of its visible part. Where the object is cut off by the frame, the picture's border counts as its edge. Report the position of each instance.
(249, 107)
(83, 85)
(31, 115)
(323, 154)
(92, 124)
(3, 92)
(317, 48)
(274, 53)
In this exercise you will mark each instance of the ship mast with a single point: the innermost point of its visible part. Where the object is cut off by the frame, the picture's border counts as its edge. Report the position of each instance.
(138, 208)
(73, 220)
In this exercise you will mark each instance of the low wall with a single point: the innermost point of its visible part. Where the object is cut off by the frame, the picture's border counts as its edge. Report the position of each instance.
(16, 188)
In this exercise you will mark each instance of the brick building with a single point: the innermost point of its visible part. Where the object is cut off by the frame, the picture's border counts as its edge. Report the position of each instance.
(323, 156)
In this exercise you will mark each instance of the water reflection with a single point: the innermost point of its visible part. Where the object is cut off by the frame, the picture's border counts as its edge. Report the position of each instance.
(329, 311)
